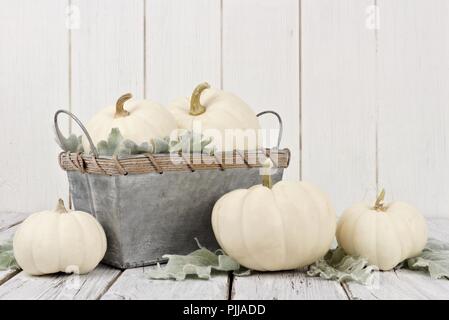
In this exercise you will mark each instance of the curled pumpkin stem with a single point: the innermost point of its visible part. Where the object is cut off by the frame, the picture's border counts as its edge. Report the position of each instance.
(60, 207)
(119, 106)
(266, 173)
(196, 108)
(379, 204)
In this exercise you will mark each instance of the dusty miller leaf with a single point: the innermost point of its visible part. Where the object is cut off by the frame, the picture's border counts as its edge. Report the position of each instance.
(112, 145)
(337, 265)
(434, 259)
(71, 144)
(7, 260)
(191, 142)
(199, 263)
(129, 147)
(116, 144)
(161, 145)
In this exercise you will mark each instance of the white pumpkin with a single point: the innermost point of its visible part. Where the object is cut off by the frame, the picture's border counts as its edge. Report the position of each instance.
(385, 234)
(138, 121)
(218, 114)
(59, 241)
(288, 226)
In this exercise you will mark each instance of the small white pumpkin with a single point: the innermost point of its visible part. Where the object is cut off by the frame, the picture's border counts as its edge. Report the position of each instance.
(59, 241)
(216, 111)
(385, 234)
(141, 121)
(269, 228)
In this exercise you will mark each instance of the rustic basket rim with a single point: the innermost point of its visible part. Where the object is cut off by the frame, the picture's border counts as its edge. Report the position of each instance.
(163, 162)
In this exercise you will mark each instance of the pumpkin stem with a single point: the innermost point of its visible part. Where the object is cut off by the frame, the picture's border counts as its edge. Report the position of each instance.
(266, 173)
(60, 207)
(379, 204)
(119, 109)
(196, 108)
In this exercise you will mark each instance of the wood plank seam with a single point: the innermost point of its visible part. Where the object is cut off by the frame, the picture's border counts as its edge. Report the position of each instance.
(70, 87)
(300, 85)
(376, 102)
(69, 73)
(9, 276)
(347, 291)
(11, 225)
(145, 66)
(221, 44)
(110, 284)
(230, 282)
(232, 290)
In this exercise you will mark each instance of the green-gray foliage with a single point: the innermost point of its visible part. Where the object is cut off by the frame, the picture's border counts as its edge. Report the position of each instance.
(71, 144)
(190, 142)
(434, 259)
(199, 263)
(116, 144)
(336, 265)
(7, 260)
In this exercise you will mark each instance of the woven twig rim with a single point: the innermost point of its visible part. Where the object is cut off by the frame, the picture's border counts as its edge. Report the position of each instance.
(163, 162)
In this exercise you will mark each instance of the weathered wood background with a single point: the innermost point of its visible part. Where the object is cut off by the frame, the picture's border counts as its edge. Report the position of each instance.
(362, 85)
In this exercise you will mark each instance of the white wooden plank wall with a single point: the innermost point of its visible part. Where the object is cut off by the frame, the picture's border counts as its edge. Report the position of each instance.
(413, 51)
(261, 62)
(33, 84)
(338, 100)
(366, 104)
(183, 47)
(107, 54)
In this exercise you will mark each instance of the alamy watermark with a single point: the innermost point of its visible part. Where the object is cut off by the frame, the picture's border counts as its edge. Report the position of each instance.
(230, 146)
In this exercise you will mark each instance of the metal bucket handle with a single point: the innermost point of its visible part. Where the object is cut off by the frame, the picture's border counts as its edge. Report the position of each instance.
(281, 126)
(80, 124)
(93, 149)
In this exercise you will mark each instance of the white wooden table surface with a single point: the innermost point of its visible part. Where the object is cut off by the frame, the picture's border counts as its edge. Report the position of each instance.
(109, 283)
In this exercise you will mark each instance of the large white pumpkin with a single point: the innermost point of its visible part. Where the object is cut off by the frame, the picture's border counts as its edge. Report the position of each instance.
(385, 234)
(59, 241)
(214, 111)
(138, 121)
(288, 226)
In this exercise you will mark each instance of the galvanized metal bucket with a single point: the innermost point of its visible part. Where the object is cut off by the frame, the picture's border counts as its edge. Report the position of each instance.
(148, 215)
